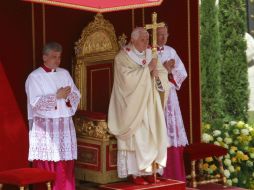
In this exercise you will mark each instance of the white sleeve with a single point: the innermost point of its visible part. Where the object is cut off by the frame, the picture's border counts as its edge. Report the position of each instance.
(36, 99)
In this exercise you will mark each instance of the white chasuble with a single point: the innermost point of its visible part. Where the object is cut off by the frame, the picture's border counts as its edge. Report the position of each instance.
(52, 134)
(175, 126)
(136, 115)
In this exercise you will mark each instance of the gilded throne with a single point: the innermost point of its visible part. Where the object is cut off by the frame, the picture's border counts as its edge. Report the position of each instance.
(93, 71)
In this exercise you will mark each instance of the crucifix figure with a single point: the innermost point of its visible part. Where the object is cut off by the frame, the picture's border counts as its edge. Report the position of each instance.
(154, 27)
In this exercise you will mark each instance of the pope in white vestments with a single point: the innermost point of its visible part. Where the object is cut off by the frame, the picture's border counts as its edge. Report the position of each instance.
(136, 115)
(175, 127)
(52, 100)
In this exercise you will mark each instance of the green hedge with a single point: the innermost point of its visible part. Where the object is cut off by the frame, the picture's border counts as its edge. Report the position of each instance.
(232, 19)
(212, 101)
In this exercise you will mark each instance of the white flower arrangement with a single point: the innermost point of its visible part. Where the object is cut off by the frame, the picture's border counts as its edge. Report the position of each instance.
(238, 138)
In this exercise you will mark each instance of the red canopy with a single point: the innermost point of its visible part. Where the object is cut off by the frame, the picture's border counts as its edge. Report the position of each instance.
(101, 5)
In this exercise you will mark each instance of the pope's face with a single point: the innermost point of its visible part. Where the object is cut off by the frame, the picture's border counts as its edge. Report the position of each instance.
(52, 59)
(142, 42)
(162, 36)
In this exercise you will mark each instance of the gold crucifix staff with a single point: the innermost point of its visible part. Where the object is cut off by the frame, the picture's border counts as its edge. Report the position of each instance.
(154, 27)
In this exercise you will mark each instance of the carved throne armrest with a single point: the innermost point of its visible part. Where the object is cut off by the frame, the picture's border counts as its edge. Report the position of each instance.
(92, 124)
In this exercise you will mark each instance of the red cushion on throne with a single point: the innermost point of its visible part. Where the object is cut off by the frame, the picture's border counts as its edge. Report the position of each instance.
(198, 151)
(94, 116)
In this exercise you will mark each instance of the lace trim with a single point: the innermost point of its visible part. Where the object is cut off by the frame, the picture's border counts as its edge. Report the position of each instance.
(74, 99)
(175, 127)
(52, 139)
(46, 103)
(178, 77)
(126, 165)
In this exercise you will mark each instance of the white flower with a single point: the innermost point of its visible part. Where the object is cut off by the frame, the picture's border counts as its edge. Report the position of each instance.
(240, 124)
(226, 126)
(246, 125)
(229, 182)
(226, 134)
(219, 139)
(206, 138)
(232, 123)
(236, 131)
(231, 169)
(226, 173)
(252, 155)
(225, 146)
(217, 143)
(228, 140)
(216, 133)
(227, 162)
(250, 128)
(245, 132)
(249, 163)
(235, 180)
(227, 156)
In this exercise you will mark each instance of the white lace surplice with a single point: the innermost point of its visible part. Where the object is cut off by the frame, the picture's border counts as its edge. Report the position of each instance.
(52, 134)
(175, 126)
(52, 139)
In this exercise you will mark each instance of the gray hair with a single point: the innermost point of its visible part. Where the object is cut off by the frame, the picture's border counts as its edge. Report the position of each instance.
(137, 31)
(52, 46)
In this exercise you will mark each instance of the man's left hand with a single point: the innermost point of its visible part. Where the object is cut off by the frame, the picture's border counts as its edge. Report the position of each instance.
(169, 65)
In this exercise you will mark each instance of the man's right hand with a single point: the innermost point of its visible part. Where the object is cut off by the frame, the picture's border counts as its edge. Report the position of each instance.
(63, 92)
(155, 73)
(152, 65)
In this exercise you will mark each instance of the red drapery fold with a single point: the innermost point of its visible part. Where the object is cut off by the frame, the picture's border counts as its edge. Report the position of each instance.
(13, 130)
(101, 5)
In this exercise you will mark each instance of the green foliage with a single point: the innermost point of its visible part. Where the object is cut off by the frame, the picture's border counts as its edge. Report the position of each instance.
(212, 101)
(232, 18)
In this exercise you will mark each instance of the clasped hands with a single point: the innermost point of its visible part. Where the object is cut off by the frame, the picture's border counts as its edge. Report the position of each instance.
(63, 92)
(169, 65)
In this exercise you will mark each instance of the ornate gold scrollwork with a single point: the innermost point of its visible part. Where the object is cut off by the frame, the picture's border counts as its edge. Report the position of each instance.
(122, 40)
(97, 43)
(91, 128)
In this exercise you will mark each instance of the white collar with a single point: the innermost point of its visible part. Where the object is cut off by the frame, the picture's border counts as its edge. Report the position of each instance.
(141, 58)
(138, 52)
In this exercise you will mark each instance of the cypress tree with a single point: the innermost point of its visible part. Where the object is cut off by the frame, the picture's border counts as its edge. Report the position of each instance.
(232, 16)
(212, 102)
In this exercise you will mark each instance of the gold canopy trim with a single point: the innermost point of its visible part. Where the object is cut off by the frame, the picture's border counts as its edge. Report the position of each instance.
(99, 6)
